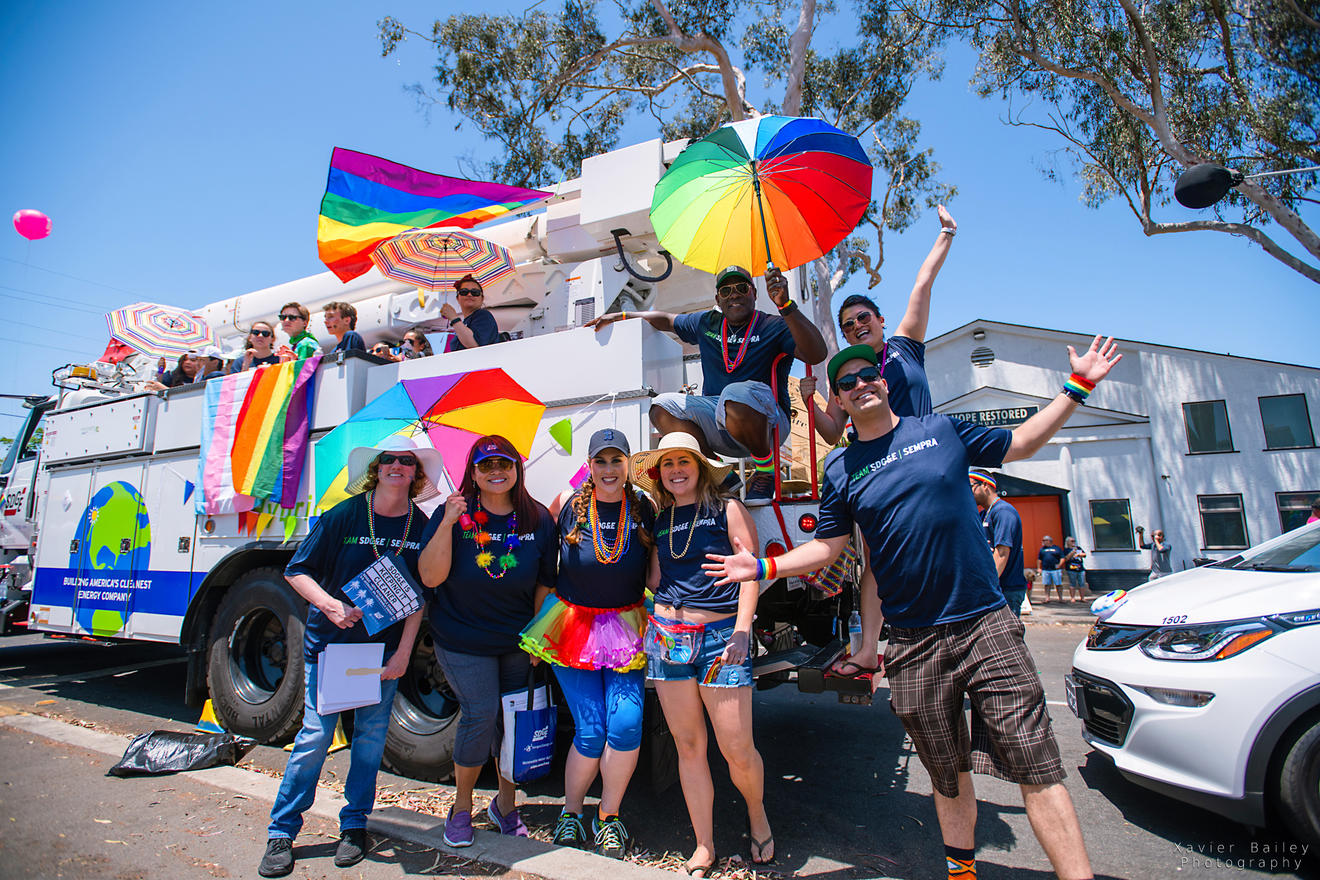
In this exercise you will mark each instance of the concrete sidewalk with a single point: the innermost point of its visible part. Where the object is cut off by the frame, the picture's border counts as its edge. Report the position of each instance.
(159, 826)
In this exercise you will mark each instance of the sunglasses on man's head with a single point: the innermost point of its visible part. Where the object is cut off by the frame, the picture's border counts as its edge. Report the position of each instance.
(737, 288)
(862, 318)
(470, 291)
(291, 317)
(262, 333)
(849, 382)
(486, 465)
(405, 460)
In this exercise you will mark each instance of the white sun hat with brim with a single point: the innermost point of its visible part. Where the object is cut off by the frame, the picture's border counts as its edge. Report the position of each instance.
(642, 462)
(432, 463)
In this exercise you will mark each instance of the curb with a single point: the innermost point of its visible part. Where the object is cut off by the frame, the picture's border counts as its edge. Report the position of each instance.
(515, 853)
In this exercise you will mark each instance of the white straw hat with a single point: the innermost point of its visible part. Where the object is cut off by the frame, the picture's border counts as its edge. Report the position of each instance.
(431, 461)
(642, 462)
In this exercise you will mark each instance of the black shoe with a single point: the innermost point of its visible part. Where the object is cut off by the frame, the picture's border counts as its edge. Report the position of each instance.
(612, 838)
(278, 860)
(352, 847)
(569, 831)
(730, 484)
(760, 488)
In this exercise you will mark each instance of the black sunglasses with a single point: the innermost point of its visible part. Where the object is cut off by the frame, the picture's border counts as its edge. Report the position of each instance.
(291, 318)
(391, 458)
(738, 288)
(862, 318)
(486, 465)
(263, 333)
(849, 382)
(470, 291)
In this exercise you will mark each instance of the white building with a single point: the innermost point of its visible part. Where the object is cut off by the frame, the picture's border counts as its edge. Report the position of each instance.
(1217, 450)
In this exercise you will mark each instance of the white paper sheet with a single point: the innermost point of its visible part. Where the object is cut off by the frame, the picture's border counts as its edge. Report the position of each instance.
(348, 676)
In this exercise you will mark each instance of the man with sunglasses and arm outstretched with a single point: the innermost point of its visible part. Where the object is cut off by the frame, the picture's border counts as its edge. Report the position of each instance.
(744, 381)
(904, 483)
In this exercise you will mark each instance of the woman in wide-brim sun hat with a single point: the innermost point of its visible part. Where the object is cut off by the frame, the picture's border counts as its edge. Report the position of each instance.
(698, 641)
(379, 518)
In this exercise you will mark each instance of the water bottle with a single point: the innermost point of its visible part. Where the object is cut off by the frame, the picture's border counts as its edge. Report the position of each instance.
(854, 633)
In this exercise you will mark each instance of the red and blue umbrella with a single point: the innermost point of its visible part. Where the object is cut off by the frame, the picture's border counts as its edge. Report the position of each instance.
(773, 189)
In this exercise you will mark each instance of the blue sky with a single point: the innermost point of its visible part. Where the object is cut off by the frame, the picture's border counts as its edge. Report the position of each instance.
(181, 152)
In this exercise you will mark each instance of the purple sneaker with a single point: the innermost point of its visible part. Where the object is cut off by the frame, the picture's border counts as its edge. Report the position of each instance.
(512, 824)
(458, 828)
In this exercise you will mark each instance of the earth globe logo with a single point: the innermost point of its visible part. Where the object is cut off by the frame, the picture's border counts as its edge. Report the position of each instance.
(115, 513)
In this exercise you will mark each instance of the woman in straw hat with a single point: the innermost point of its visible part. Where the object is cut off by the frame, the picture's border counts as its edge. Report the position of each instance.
(490, 557)
(591, 632)
(379, 518)
(699, 639)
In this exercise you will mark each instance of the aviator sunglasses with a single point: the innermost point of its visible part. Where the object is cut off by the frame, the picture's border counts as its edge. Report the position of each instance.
(390, 458)
(486, 465)
(862, 318)
(738, 288)
(849, 382)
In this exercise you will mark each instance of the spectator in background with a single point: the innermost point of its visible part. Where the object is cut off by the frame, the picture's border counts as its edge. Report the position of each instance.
(415, 345)
(1050, 558)
(475, 326)
(341, 323)
(1315, 512)
(1160, 551)
(385, 350)
(293, 320)
(258, 350)
(1074, 568)
(184, 372)
(1003, 531)
(213, 363)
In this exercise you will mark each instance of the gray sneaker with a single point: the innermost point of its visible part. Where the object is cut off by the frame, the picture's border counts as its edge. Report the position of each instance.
(760, 488)
(278, 860)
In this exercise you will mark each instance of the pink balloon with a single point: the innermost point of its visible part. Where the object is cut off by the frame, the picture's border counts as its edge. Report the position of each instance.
(32, 224)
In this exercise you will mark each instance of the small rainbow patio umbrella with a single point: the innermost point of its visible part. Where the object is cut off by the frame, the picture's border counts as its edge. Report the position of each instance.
(788, 187)
(432, 259)
(450, 412)
(160, 331)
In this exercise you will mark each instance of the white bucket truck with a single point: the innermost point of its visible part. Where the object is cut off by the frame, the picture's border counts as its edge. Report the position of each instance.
(120, 554)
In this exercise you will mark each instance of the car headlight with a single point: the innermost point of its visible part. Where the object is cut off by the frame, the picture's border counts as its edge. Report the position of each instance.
(1206, 641)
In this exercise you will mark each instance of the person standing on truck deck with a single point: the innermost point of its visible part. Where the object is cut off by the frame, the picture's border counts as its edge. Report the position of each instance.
(1074, 569)
(379, 517)
(1050, 557)
(951, 635)
(489, 557)
(475, 325)
(258, 350)
(341, 323)
(590, 630)
(1003, 531)
(744, 398)
(293, 320)
(213, 364)
(1160, 550)
(698, 641)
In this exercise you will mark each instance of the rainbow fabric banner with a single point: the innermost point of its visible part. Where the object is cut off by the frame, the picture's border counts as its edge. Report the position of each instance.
(369, 199)
(255, 428)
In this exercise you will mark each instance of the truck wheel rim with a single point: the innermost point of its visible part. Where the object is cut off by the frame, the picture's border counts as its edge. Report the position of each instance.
(425, 704)
(258, 654)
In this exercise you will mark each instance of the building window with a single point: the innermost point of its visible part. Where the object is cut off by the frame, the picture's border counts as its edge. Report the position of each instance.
(1223, 527)
(1286, 421)
(1294, 508)
(1111, 525)
(1207, 427)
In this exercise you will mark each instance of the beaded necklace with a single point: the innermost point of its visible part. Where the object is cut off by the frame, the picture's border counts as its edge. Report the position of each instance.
(696, 512)
(606, 554)
(730, 366)
(482, 537)
(371, 524)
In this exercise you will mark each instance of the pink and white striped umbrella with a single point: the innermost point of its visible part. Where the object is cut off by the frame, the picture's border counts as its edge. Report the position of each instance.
(433, 258)
(160, 331)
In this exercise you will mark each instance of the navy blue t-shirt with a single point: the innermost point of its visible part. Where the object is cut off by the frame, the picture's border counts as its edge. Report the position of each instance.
(484, 330)
(1050, 557)
(905, 374)
(338, 550)
(1003, 528)
(237, 365)
(474, 613)
(683, 582)
(583, 579)
(352, 341)
(908, 492)
(770, 338)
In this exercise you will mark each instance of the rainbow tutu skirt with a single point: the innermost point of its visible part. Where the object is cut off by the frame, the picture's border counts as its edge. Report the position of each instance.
(587, 638)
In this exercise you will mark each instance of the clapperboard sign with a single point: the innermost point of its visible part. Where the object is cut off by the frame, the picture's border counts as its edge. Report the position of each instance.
(385, 593)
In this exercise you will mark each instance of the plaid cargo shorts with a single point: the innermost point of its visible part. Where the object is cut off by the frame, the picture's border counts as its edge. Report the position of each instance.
(930, 669)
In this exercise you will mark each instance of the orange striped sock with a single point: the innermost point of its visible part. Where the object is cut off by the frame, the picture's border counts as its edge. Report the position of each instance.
(960, 862)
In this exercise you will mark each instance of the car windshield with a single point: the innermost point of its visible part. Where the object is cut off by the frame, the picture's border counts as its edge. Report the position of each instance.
(1296, 551)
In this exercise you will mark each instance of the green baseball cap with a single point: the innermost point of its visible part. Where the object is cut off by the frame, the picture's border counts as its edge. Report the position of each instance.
(853, 352)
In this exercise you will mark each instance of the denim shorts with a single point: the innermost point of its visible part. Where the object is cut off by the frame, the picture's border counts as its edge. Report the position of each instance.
(1051, 577)
(714, 639)
(708, 413)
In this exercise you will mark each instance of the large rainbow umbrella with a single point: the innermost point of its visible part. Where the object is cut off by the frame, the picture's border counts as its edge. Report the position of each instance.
(449, 412)
(433, 259)
(792, 187)
(160, 331)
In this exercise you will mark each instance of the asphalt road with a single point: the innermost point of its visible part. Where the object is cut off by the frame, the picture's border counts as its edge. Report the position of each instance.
(847, 798)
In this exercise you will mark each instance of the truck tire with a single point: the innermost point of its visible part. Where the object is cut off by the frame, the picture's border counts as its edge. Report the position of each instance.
(1299, 785)
(424, 719)
(254, 657)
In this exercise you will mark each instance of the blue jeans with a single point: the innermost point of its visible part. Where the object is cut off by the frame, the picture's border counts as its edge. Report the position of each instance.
(606, 707)
(303, 771)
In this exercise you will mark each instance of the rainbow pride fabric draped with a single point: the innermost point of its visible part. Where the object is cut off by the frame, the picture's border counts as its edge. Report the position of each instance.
(369, 199)
(255, 429)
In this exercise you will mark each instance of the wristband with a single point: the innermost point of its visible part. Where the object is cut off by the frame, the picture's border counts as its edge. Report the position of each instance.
(766, 569)
(948, 230)
(1078, 388)
(623, 316)
(788, 308)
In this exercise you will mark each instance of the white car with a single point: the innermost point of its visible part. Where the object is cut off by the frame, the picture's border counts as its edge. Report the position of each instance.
(1205, 685)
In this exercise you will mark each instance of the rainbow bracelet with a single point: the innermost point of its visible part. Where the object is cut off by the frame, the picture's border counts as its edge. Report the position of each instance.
(1078, 388)
(766, 569)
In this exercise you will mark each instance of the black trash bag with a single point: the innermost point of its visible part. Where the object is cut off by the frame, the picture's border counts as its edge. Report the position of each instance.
(165, 751)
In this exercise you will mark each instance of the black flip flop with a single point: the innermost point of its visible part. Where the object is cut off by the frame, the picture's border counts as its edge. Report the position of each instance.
(758, 850)
(861, 670)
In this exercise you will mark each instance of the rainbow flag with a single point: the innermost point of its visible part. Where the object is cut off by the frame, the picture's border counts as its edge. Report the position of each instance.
(255, 428)
(369, 199)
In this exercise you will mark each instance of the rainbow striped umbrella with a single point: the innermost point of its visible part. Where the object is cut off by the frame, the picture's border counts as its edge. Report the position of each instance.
(789, 187)
(433, 259)
(160, 331)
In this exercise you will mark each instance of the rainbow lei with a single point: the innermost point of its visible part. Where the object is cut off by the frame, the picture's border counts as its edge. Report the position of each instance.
(729, 367)
(482, 538)
(606, 554)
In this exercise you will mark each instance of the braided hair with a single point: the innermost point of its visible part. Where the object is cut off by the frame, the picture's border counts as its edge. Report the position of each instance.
(582, 499)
